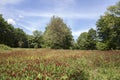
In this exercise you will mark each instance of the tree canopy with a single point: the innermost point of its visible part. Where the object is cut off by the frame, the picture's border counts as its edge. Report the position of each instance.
(14, 37)
(57, 35)
(35, 40)
(87, 40)
(108, 27)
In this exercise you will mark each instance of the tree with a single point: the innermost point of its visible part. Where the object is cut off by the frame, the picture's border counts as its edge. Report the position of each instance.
(91, 39)
(82, 41)
(35, 40)
(101, 46)
(6, 33)
(30, 41)
(38, 38)
(57, 35)
(87, 40)
(3, 30)
(13, 37)
(20, 38)
(114, 10)
(108, 27)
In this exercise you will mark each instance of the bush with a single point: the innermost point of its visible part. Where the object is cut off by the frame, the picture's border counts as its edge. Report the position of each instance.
(4, 47)
(101, 46)
(36, 46)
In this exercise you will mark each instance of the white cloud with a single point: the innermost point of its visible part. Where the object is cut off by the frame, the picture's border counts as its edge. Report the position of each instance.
(62, 9)
(11, 21)
(64, 14)
(5, 2)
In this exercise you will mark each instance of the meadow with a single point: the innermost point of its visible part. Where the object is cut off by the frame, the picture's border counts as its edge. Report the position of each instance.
(50, 64)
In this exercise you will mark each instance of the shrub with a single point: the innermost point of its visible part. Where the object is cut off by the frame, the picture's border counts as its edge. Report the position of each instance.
(101, 46)
(36, 46)
(4, 47)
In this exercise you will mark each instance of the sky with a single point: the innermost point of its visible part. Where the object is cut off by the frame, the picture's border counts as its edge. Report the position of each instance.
(30, 15)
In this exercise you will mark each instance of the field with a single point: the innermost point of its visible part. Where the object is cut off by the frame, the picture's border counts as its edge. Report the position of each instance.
(49, 64)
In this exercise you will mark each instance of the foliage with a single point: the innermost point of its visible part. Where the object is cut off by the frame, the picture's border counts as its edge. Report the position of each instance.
(101, 46)
(87, 40)
(115, 9)
(75, 46)
(11, 36)
(20, 38)
(4, 47)
(108, 27)
(57, 35)
(82, 41)
(91, 39)
(6, 32)
(35, 40)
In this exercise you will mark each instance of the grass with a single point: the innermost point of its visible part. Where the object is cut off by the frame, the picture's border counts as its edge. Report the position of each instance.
(4, 48)
(47, 64)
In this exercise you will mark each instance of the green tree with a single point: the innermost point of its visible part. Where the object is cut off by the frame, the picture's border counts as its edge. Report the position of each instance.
(38, 38)
(91, 39)
(82, 41)
(13, 37)
(108, 27)
(87, 40)
(115, 9)
(20, 38)
(57, 35)
(3, 30)
(35, 40)
(30, 41)
(101, 46)
(6, 33)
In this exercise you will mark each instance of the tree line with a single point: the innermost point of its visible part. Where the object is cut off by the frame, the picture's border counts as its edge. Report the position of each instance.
(58, 35)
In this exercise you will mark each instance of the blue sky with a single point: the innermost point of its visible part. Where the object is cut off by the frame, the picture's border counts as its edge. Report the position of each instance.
(30, 15)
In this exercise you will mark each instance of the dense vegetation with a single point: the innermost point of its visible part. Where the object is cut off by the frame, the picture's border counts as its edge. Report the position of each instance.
(13, 37)
(108, 27)
(58, 35)
(4, 47)
(87, 40)
(47, 64)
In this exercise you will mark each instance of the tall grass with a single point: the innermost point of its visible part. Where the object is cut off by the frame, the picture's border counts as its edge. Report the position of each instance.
(50, 64)
(4, 47)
